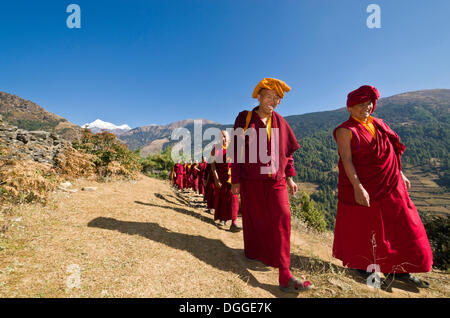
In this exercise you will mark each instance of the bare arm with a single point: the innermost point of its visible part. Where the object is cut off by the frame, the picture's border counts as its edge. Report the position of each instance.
(406, 181)
(343, 139)
(215, 175)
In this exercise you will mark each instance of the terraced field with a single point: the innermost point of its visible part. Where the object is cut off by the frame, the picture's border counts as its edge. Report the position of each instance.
(426, 194)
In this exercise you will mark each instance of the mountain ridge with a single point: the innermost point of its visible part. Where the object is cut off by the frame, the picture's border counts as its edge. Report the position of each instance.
(28, 115)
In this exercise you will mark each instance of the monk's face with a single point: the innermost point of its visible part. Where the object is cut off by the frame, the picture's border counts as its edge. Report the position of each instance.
(225, 137)
(268, 100)
(361, 111)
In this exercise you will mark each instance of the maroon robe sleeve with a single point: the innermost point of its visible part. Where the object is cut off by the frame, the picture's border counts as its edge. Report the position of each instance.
(236, 168)
(293, 146)
(399, 148)
(290, 170)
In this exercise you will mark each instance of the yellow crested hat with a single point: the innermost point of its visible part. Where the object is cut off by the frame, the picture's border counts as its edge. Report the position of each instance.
(271, 83)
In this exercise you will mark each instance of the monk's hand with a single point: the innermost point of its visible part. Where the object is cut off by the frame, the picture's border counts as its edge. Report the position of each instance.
(236, 188)
(218, 184)
(293, 188)
(406, 181)
(362, 196)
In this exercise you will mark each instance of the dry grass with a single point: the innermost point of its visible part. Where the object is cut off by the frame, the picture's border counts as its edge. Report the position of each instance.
(26, 181)
(73, 164)
(144, 239)
(23, 180)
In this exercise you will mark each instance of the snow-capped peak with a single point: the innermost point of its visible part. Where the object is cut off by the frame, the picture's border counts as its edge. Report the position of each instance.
(105, 125)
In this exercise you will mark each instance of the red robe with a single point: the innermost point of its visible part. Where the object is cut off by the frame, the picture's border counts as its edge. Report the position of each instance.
(201, 177)
(194, 175)
(190, 180)
(390, 232)
(266, 215)
(226, 204)
(180, 175)
(210, 188)
(185, 175)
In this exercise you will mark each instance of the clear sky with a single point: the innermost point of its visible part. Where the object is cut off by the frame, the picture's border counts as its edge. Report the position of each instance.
(141, 62)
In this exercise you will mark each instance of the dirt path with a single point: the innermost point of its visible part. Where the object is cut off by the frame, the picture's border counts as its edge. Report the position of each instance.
(144, 239)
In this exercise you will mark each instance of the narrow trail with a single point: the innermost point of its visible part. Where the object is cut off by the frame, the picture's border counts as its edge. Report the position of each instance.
(145, 239)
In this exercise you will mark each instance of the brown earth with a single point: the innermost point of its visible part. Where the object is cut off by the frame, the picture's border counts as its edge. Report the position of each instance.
(144, 239)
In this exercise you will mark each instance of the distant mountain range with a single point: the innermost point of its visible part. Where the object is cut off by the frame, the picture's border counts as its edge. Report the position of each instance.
(99, 125)
(154, 138)
(30, 116)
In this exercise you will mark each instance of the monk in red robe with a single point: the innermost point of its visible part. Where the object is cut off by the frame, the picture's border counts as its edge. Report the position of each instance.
(266, 215)
(179, 175)
(195, 175)
(185, 175)
(377, 224)
(210, 189)
(226, 205)
(201, 176)
(188, 175)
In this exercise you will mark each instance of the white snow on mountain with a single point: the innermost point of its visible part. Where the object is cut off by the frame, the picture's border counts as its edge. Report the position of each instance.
(100, 124)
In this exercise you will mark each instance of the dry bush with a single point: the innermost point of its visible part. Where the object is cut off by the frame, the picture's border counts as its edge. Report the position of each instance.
(116, 171)
(26, 181)
(73, 164)
(23, 180)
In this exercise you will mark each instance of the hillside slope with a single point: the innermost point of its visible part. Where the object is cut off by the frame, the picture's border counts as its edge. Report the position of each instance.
(30, 116)
(144, 239)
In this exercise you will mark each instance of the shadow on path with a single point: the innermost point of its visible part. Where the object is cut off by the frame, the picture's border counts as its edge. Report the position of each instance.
(162, 197)
(210, 251)
(180, 210)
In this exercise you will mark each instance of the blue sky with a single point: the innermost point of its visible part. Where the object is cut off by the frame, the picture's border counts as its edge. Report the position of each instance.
(141, 62)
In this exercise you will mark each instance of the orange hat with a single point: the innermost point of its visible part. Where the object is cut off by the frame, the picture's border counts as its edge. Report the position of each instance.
(272, 83)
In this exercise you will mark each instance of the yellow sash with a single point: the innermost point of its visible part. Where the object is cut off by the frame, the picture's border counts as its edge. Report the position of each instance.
(268, 126)
(369, 126)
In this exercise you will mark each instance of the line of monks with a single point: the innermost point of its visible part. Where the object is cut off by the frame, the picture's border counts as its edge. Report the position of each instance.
(377, 224)
(213, 182)
(189, 175)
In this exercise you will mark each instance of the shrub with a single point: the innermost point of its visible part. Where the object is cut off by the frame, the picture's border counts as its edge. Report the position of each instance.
(158, 165)
(24, 181)
(306, 209)
(111, 156)
(438, 231)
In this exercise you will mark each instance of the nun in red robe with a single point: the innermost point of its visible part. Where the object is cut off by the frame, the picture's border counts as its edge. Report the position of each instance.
(201, 177)
(377, 224)
(226, 204)
(195, 170)
(186, 176)
(210, 188)
(266, 215)
(180, 175)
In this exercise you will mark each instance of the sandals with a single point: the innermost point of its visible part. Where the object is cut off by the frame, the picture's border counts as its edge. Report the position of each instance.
(235, 228)
(296, 285)
(408, 278)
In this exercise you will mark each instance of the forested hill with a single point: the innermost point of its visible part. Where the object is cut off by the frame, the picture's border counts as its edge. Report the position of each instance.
(421, 119)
